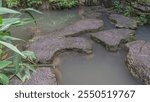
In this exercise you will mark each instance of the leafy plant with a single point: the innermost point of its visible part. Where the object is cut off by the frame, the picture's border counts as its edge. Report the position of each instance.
(65, 3)
(118, 6)
(34, 3)
(142, 19)
(129, 11)
(19, 64)
(12, 3)
(68, 3)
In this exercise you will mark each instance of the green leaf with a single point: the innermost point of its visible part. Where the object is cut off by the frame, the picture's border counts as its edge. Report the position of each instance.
(12, 47)
(23, 73)
(10, 20)
(31, 9)
(4, 10)
(0, 20)
(6, 38)
(7, 22)
(5, 27)
(24, 21)
(4, 79)
(29, 54)
(4, 64)
(30, 67)
(0, 3)
(16, 61)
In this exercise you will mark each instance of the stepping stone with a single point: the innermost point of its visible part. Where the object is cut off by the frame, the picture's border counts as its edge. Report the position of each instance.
(79, 27)
(123, 21)
(42, 76)
(138, 60)
(46, 48)
(111, 39)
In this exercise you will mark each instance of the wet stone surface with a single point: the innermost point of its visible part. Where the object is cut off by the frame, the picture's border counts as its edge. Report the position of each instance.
(46, 48)
(111, 39)
(138, 60)
(123, 22)
(42, 76)
(81, 26)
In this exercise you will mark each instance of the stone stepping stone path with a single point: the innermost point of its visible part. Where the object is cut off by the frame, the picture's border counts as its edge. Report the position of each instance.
(138, 60)
(46, 48)
(123, 21)
(79, 27)
(111, 39)
(42, 76)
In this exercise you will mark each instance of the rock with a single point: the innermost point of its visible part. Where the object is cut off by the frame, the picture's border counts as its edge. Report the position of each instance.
(79, 27)
(82, 26)
(111, 39)
(123, 22)
(42, 76)
(92, 15)
(140, 7)
(46, 47)
(138, 60)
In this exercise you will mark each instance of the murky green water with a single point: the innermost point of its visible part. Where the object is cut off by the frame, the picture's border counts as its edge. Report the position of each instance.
(102, 67)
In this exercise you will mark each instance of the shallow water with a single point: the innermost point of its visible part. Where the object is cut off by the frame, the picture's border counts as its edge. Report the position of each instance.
(47, 22)
(102, 67)
(143, 33)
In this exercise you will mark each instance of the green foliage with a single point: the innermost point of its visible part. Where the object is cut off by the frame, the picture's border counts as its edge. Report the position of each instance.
(4, 79)
(34, 3)
(12, 3)
(118, 6)
(129, 11)
(68, 3)
(20, 63)
(65, 3)
(141, 19)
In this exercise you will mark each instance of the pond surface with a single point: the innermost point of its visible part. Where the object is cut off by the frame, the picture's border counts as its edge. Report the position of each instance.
(102, 67)
(143, 33)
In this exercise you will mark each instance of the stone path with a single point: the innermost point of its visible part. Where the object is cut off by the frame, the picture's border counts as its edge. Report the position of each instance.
(42, 76)
(47, 47)
(123, 21)
(138, 60)
(111, 39)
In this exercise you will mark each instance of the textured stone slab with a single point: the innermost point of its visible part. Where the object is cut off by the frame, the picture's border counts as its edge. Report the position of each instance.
(46, 48)
(42, 76)
(138, 60)
(82, 26)
(111, 39)
(123, 21)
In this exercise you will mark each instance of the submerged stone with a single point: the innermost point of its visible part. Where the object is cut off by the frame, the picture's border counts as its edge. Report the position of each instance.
(123, 21)
(138, 60)
(42, 76)
(46, 47)
(111, 39)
